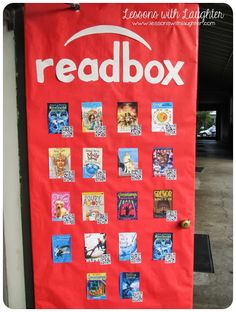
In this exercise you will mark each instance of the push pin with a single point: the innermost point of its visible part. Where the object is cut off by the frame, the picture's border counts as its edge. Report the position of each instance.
(74, 6)
(185, 224)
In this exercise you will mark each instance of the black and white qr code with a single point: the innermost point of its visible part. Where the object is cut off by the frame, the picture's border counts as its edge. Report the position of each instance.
(171, 215)
(67, 132)
(102, 218)
(170, 257)
(100, 131)
(100, 176)
(68, 176)
(135, 130)
(137, 296)
(170, 129)
(170, 174)
(105, 259)
(69, 218)
(136, 257)
(136, 175)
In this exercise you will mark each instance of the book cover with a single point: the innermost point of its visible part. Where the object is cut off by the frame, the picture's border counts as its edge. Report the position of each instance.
(127, 245)
(58, 117)
(127, 116)
(92, 162)
(95, 246)
(59, 161)
(162, 114)
(60, 205)
(92, 205)
(127, 160)
(61, 248)
(162, 245)
(96, 286)
(162, 202)
(127, 206)
(129, 282)
(162, 159)
(91, 116)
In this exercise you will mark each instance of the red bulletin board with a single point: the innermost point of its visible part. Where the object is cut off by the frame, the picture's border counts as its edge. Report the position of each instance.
(47, 28)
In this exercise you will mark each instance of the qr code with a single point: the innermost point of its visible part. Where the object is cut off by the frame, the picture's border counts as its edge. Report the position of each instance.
(68, 176)
(170, 174)
(137, 296)
(170, 257)
(171, 215)
(136, 257)
(170, 129)
(67, 132)
(135, 130)
(100, 176)
(136, 175)
(105, 259)
(69, 218)
(102, 218)
(100, 131)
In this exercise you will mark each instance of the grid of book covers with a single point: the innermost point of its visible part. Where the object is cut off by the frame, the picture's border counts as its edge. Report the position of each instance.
(96, 246)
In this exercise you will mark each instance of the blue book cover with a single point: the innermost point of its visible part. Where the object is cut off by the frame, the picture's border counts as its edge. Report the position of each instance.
(61, 248)
(162, 159)
(162, 245)
(129, 282)
(127, 245)
(127, 160)
(58, 117)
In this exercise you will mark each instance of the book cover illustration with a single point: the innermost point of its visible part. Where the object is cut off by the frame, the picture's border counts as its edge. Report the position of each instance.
(58, 117)
(163, 200)
(59, 161)
(127, 245)
(127, 116)
(96, 286)
(162, 245)
(127, 160)
(162, 114)
(162, 159)
(127, 206)
(60, 204)
(92, 205)
(95, 246)
(61, 248)
(92, 161)
(91, 116)
(129, 282)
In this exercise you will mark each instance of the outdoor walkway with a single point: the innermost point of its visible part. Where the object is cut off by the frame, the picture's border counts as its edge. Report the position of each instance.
(214, 216)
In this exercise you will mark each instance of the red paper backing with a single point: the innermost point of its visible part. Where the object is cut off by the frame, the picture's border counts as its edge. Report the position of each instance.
(47, 27)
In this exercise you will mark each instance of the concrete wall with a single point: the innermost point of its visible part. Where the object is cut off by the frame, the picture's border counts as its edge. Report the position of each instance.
(14, 294)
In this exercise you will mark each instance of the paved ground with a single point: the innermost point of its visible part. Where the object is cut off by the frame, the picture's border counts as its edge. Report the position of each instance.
(214, 216)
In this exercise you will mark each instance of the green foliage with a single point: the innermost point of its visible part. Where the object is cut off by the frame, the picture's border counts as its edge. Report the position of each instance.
(203, 120)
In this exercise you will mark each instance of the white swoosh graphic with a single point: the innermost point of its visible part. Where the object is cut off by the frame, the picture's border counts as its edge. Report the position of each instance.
(108, 29)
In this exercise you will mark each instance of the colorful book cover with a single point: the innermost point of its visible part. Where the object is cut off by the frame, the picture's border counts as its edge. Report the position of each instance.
(162, 114)
(127, 245)
(92, 161)
(59, 161)
(61, 248)
(127, 160)
(162, 202)
(127, 116)
(129, 282)
(162, 159)
(92, 205)
(127, 206)
(96, 286)
(58, 117)
(95, 246)
(91, 116)
(60, 203)
(162, 245)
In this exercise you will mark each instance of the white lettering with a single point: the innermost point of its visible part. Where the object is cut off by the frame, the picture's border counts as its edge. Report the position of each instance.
(161, 72)
(40, 66)
(173, 73)
(65, 66)
(127, 63)
(114, 63)
(93, 75)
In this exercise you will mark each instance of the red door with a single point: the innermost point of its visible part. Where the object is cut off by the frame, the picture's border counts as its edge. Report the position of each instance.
(120, 66)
